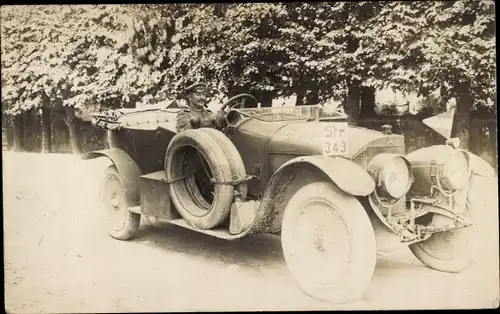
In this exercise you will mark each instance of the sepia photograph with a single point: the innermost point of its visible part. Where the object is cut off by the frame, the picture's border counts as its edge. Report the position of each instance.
(249, 156)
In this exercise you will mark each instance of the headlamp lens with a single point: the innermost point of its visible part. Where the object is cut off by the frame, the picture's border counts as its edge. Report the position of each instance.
(456, 171)
(396, 177)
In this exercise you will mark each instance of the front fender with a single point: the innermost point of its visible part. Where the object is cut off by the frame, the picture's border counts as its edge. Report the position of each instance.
(348, 176)
(480, 166)
(127, 168)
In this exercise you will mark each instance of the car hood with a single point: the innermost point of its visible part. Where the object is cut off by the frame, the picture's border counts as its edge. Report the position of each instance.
(305, 138)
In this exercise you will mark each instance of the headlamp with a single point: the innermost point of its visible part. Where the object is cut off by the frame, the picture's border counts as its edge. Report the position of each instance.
(392, 175)
(455, 171)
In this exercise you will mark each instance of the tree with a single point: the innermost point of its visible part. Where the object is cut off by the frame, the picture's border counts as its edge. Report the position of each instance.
(21, 91)
(348, 59)
(151, 40)
(428, 46)
(271, 49)
(229, 46)
(65, 57)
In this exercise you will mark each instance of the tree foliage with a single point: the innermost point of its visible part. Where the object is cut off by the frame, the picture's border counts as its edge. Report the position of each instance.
(271, 49)
(118, 55)
(425, 46)
(64, 55)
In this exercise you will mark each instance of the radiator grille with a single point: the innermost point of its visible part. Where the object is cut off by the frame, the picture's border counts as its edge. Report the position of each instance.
(363, 159)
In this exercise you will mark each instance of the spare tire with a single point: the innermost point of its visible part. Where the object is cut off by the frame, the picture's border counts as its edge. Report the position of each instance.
(185, 196)
(233, 156)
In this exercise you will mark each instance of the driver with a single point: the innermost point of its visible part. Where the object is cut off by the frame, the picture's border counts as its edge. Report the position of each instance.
(196, 111)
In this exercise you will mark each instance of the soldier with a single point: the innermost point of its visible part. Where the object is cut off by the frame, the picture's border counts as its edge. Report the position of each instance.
(197, 113)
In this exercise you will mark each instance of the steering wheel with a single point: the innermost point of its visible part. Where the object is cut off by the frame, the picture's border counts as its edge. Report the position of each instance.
(237, 97)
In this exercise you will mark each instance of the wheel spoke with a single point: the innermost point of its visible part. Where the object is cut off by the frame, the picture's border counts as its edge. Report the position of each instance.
(328, 243)
(115, 203)
(323, 246)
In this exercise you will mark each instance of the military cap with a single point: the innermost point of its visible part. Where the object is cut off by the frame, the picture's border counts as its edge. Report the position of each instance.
(194, 86)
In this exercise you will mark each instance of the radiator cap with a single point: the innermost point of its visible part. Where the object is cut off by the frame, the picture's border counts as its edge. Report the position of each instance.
(387, 129)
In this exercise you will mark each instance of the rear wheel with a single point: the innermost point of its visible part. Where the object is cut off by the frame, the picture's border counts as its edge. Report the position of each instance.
(122, 224)
(328, 243)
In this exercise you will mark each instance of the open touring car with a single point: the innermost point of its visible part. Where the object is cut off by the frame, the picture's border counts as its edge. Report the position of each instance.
(335, 194)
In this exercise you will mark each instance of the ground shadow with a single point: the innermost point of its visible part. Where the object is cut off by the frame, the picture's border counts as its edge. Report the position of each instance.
(393, 266)
(248, 252)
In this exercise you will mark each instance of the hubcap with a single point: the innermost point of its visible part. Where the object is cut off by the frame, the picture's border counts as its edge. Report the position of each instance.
(321, 253)
(115, 203)
(318, 244)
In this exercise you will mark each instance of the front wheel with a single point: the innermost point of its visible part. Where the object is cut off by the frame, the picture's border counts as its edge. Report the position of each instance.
(122, 224)
(449, 251)
(328, 243)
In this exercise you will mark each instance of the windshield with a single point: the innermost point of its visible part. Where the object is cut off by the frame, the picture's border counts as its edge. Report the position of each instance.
(290, 113)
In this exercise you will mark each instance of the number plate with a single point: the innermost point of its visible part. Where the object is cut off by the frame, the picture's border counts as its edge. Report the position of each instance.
(335, 139)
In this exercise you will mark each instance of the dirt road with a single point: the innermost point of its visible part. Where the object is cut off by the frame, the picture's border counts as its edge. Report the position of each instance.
(58, 257)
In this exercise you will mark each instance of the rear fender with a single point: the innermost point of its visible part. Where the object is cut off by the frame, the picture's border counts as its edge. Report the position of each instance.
(292, 175)
(127, 168)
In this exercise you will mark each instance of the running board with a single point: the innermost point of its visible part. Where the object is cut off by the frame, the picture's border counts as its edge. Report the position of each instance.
(240, 221)
(218, 233)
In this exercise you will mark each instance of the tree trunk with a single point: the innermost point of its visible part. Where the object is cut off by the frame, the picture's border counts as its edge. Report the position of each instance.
(5, 141)
(300, 97)
(266, 99)
(27, 131)
(353, 88)
(6, 131)
(312, 98)
(46, 130)
(18, 135)
(367, 109)
(352, 103)
(462, 117)
(70, 120)
(10, 132)
(234, 90)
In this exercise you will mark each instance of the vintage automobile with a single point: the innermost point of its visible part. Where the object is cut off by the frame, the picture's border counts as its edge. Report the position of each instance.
(335, 193)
